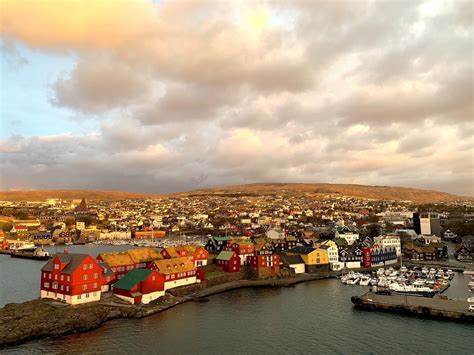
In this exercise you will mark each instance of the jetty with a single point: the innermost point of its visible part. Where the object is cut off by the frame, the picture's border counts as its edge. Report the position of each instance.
(431, 308)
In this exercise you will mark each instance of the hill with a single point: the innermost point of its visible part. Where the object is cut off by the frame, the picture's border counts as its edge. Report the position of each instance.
(318, 190)
(349, 190)
(42, 195)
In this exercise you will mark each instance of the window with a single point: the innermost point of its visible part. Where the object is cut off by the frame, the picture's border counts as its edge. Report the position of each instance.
(84, 287)
(67, 288)
(108, 278)
(95, 294)
(90, 266)
(96, 276)
(46, 284)
(84, 277)
(56, 276)
(56, 266)
(69, 278)
(87, 295)
(84, 267)
(79, 297)
(95, 285)
(62, 277)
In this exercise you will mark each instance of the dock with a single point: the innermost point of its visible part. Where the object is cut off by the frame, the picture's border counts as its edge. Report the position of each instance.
(431, 308)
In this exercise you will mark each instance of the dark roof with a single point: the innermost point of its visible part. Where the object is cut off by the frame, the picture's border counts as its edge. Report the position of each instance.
(132, 278)
(82, 207)
(107, 270)
(72, 261)
(291, 259)
(301, 250)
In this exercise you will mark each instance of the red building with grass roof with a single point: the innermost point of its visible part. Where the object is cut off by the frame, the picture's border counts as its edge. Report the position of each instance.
(228, 260)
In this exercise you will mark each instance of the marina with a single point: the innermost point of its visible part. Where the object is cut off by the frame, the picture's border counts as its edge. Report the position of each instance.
(412, 281)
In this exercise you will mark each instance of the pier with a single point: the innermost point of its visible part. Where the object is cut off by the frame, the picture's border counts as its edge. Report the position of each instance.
(433, 308)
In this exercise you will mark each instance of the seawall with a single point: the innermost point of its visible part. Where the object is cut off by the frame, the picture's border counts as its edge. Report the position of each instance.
(423, 307)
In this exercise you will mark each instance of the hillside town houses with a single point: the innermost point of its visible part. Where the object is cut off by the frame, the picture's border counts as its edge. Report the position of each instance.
(186, 240)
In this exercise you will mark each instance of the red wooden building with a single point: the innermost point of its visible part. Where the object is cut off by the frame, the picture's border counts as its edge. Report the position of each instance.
(242, 249)
(197, 254)
(229, 261)
(140, 286)
(264, 263)
(73, 278)
(176, 271)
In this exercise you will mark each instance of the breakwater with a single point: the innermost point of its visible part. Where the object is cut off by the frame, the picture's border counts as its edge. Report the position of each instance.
(432, 308)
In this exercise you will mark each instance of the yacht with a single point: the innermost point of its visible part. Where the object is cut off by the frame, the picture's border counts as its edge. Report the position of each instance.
(23, 247)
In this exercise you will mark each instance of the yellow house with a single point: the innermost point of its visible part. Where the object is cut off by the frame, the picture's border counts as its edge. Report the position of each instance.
(315, 259)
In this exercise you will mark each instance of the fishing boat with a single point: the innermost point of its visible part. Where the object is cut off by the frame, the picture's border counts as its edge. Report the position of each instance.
(37, 254)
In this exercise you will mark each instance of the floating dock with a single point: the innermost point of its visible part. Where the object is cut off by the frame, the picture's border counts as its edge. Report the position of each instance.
(433, 308)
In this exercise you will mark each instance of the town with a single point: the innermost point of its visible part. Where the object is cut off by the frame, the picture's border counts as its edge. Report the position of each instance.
(184, 242)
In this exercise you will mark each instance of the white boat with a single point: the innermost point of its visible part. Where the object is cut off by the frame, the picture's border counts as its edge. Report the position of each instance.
(353, 281)
(470, 299)
(364, 281)
(415, 289)
(23, 246)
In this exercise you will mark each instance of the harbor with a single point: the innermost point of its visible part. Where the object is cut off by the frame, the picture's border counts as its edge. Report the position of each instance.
(413, 281)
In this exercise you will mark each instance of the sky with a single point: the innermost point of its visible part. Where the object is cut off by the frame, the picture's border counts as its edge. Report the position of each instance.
(167, 96)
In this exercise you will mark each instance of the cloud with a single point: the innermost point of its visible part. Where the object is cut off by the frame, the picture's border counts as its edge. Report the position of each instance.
(100, 85)
(212, 93)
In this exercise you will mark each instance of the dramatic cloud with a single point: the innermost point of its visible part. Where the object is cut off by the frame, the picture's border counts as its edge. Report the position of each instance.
(187, 93)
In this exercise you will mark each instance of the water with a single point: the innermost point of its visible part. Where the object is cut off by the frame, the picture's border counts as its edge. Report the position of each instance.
(307, 318)
(20, 278)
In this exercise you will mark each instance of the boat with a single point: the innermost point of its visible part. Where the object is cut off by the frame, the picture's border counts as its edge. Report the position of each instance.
(470, 299)
(38, 254)
(23, 246)
(353, 281)
(364, 281)
(412, 290)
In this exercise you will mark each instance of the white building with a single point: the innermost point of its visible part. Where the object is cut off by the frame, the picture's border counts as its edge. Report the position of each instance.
(389, 241)
(275, 234)
(115, 235)
(333, 255)
(349, 236)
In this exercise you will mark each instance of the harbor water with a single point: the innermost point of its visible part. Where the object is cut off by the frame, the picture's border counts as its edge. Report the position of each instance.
(313, 317)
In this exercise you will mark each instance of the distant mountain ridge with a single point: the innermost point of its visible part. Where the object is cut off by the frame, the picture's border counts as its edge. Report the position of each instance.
(349, 190)
(317, 189)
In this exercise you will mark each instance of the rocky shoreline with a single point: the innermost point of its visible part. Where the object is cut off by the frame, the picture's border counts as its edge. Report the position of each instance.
(45, 318)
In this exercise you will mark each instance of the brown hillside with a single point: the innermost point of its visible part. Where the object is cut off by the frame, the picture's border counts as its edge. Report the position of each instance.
(350, 190)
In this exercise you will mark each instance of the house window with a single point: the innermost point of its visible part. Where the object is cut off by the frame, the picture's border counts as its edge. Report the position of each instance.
(69, 278)
(90, 266)
(95, 285)
(79, 297)
(87, 295)
(95, 294)
(67, 288)
(62, 277)
(96, 276)
(84, 287)
(56, 276)
(84, 277)
(107, 278)
(56, 266)
(62, 288)
(46, 284)
(84, 267)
